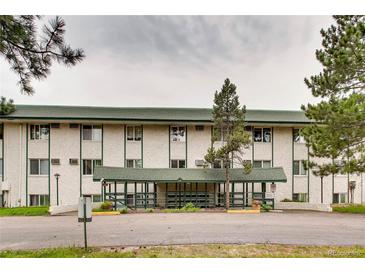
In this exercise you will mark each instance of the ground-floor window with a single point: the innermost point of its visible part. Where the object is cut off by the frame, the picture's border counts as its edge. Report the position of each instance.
(96, 198)
(1, 166)
(38, 200)
(339, 198)
(300, 197)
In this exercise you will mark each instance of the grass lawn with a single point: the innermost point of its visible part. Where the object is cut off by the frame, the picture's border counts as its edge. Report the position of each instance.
(359, 209)
(196, 251)
(24, 211)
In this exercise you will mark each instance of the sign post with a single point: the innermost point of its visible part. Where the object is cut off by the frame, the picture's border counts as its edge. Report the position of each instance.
(84, 213)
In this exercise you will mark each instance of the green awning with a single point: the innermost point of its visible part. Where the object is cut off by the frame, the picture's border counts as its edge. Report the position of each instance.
(187, 175)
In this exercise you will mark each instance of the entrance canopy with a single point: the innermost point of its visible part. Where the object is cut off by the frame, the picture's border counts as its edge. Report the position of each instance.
(188, 175)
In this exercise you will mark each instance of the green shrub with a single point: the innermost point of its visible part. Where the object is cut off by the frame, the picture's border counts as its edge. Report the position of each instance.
(266, 207)
(286, 200)
(149, 210)
(106, 206)
(188, 207)
(123, 210)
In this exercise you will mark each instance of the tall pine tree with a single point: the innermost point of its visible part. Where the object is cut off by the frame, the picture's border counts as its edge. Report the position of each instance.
(337, 130)
(229, 127)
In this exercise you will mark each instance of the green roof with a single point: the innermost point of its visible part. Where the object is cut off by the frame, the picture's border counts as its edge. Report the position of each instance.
(203, 115)
(192, 175)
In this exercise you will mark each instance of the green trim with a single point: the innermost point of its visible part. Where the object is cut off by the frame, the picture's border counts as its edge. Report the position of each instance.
(272, 146)
(102, 144)
(80, 160)
(125, 146)
(169, 145)
(26, 165)
(102, 158)
(333, 183)
(253, 144)
(192, 181)
(308, 176)
(3, 154)
(142, 146)
(49, 164)
(292, 164)
(186, 146)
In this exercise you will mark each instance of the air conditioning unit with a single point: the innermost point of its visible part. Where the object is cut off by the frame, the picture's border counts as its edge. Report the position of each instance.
(199, 162)
(74, 161)
(55, 161)
(74, 125)
(55, 125)
(199, 128)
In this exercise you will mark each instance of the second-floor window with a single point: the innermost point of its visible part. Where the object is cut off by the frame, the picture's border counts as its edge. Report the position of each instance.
(134, 133)
(297, 137)
(91, 132)
(262, 135)
(39, 132)
(134, 163)
(178, 164)
(177, 134)
(38, 167)
(299, 168)
(89, 165)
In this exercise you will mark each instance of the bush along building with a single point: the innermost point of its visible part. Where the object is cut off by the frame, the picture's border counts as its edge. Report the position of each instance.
(153, 157)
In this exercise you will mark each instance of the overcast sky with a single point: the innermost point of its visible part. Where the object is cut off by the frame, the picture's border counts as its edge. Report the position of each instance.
(180, 61)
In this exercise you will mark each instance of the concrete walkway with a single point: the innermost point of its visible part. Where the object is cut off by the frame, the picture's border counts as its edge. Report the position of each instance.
(184, 228)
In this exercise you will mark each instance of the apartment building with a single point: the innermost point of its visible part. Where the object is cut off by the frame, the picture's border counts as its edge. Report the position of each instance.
(153, 157)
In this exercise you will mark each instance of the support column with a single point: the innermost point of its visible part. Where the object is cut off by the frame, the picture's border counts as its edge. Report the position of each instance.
(115, 195)
(125, 194)
(135, 195)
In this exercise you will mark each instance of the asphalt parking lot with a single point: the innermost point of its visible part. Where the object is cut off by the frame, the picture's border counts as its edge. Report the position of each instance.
(184, 228)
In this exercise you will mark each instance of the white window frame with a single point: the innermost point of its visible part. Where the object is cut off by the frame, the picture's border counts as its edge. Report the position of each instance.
(262, 163)
(262, 129)
(135, 162)
(39, 167)
(134, 137)
(93, 164)
(302, 197)
(340, 195)
(39, 198)
(178, 163)
(178, 134)
(302, 170)
(300, 139)
(36, 132)
(94, 136)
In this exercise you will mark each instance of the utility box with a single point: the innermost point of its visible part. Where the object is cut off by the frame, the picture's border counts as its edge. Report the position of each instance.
(84, 210)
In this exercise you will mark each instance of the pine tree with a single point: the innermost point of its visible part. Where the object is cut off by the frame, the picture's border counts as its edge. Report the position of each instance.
(229, 125)
(30, 54)
(337, 130)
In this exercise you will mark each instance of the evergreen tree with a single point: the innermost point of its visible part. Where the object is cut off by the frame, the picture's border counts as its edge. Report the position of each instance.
(29, 53)
(229, 126)
(337, 130)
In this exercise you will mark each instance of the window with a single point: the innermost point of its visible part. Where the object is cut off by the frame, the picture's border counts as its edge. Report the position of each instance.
(96, 198)
(89, 165)
(297, 137)
(217, 164)
(1, 166)
(300, 197)
(177, 134)
(91, 132)
(38, 166)
(261, 164)
(134, 163)
(1, 132)
(39, 132)
(339, 198)
(38, 200)
(177, 163)
(134, 133)
(262, 135)
(299, 168)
